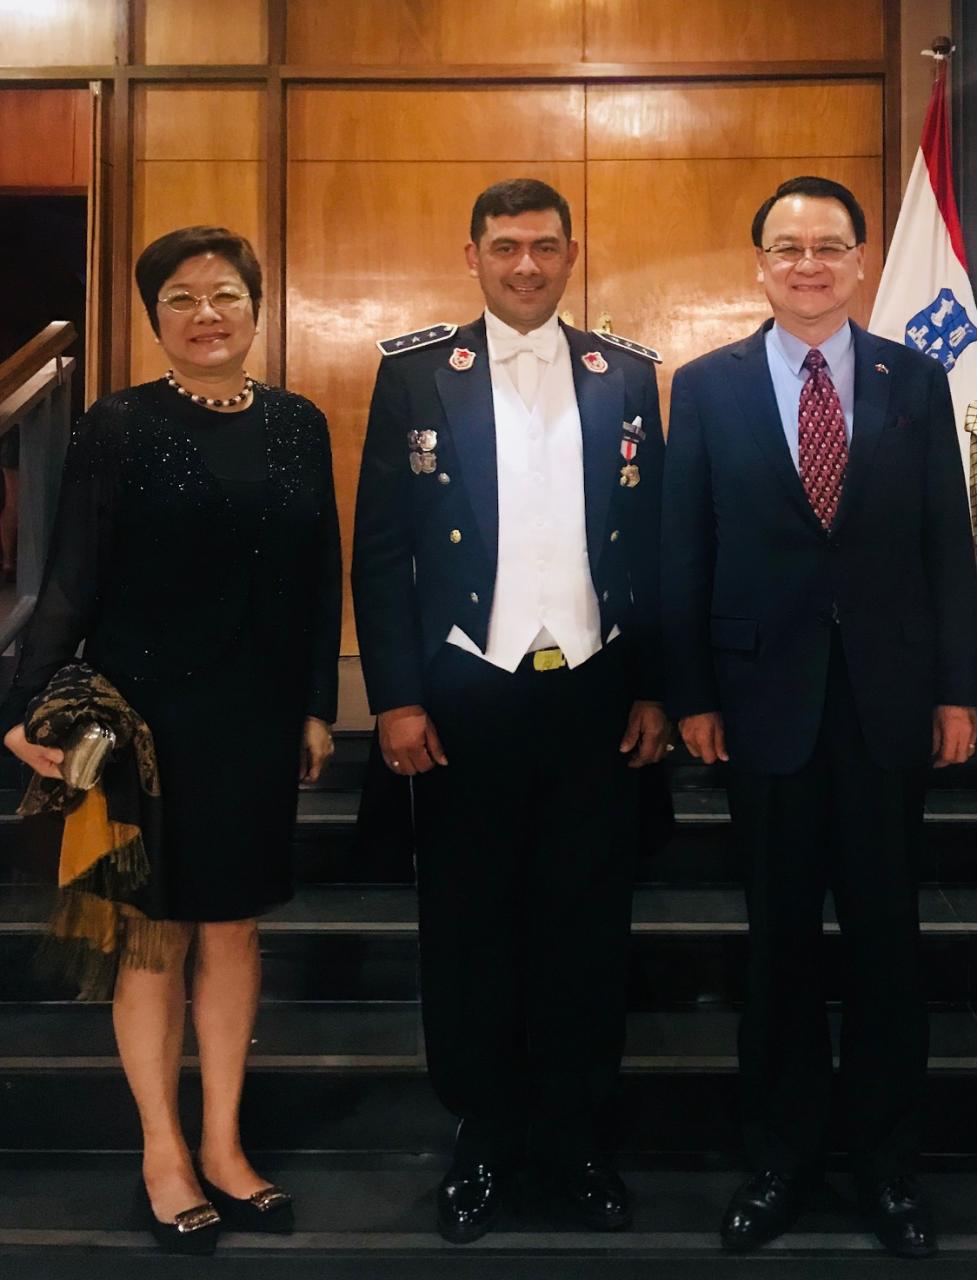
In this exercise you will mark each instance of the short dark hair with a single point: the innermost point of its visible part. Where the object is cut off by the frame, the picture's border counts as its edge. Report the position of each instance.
(514, 196)
(159, 260)
(820, 189)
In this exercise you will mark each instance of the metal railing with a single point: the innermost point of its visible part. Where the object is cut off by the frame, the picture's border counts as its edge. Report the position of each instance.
(35, 395)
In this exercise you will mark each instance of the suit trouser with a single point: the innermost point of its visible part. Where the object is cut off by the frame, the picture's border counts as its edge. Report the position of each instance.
(844, 823)
(525, 867)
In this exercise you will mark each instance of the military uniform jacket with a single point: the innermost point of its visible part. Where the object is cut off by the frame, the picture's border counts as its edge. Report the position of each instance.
(426, 541)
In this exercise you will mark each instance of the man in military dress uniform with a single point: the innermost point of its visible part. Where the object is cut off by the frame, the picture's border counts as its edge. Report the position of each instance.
(505, 574)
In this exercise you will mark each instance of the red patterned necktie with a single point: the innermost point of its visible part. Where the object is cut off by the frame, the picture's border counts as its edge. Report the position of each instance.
(822, 447)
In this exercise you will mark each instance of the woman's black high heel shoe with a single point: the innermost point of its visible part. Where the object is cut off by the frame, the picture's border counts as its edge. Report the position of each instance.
(269, 1209)
(194, 1231)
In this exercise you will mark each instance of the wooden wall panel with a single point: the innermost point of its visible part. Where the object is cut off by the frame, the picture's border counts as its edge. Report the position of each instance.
(197, 159)
(731, 30)
(375, 249)
(408, 33)
(673, 264)
(429, 123)
(185, 122)
(192, 31)
(46, 137)
(56, 33)
(679, 121)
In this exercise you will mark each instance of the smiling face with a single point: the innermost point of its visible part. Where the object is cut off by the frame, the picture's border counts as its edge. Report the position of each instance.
(523, 264)
(810, 299)
(206, 342)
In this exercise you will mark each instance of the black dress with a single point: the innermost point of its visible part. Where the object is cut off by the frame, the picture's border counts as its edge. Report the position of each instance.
(249, 637)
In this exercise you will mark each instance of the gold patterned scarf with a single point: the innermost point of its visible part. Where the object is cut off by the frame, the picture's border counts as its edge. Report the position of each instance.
(110, 842)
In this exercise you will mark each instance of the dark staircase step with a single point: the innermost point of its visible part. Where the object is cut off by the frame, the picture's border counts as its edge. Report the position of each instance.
(346, 1078)
(359, 943)
(358, 1219)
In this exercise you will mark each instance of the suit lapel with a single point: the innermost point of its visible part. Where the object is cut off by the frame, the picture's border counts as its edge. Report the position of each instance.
(466, 397)
(601, 403)
(753, 389)
(872, 387)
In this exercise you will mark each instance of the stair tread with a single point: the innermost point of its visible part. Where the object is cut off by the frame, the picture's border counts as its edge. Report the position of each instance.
(373, 909)
(396, 1198)
(340, 1034)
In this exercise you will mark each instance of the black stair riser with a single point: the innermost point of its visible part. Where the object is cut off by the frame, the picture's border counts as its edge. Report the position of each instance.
(308, 1109)
(697, 854)
(665, 971)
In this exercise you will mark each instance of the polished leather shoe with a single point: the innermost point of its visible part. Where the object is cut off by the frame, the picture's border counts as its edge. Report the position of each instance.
(901, 1217)
(761, 1208)
(470, 1200)
(596, 1194)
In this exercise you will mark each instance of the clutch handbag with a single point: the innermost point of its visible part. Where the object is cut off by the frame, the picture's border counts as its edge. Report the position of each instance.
(87, 748)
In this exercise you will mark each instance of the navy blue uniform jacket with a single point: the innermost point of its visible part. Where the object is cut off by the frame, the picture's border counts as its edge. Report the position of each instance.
(753, 586)
(412, 582)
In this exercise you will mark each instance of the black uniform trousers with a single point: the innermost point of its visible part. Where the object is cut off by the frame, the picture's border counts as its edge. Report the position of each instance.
(844, 823)
(525, 866)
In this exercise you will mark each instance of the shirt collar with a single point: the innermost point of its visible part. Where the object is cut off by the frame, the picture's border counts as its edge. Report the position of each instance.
(794, 350)
(503, 335)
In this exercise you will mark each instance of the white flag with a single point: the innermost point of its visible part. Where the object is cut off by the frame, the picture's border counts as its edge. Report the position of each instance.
(925, 297)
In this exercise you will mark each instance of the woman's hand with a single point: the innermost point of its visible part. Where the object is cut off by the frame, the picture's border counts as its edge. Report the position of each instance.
(43, 760)
(317, 747)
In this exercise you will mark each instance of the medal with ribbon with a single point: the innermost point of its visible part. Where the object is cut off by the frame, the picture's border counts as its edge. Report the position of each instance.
(631, 436)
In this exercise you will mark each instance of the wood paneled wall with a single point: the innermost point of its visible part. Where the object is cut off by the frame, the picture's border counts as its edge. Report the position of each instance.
(198, 157)
(188, 32)
(405, 32)
(46, 141)
(57, 33)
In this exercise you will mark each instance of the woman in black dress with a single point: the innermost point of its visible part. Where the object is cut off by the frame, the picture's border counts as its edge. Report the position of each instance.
(196, 552)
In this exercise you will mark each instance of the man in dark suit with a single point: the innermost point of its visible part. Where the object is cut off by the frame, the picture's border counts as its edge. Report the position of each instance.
(820, 618)
(505, 574)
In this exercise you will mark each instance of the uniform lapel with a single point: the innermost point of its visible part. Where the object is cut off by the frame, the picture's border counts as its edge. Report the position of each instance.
(466, 397)
(601, 404)
(754, 393)
(872, 386)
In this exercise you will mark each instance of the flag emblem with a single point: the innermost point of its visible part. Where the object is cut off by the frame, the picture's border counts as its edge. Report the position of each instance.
(942, 330)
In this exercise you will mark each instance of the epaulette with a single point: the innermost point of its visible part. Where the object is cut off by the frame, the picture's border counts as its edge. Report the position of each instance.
(422, 338)
(626, 344)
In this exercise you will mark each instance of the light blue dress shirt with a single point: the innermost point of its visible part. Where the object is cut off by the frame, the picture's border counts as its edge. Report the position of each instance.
(785, 358)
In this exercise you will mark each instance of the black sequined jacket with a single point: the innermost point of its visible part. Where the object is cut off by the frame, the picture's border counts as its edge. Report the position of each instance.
(149, 567)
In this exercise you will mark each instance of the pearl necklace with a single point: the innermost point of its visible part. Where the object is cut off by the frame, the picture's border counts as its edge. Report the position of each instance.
(205, 400)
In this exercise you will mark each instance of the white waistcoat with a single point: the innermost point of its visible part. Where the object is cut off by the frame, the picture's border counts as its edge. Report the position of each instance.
(544, 593)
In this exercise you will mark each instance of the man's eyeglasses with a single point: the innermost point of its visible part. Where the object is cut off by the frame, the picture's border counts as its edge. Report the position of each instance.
(223, 300)
(832, 252)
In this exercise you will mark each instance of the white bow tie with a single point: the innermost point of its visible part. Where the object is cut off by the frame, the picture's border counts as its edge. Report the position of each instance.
(540, 342)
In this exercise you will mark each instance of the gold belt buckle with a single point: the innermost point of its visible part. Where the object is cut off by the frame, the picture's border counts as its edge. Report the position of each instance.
(549, 659)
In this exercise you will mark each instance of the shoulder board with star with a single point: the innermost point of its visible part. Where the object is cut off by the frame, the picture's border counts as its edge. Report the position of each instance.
(625, 344)
(421, 338)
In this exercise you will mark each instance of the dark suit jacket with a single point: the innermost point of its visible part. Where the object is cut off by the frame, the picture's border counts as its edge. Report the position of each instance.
(751, 581)
(412, 583)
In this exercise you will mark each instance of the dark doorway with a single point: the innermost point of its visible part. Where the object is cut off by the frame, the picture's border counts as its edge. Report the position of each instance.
(43, 243)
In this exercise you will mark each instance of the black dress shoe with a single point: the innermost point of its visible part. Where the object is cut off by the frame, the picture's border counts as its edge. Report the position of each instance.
(598, 1197)
(194, 1231)
(470, 1200)
(901, 1217)
(761, 1208)
(268, 1210)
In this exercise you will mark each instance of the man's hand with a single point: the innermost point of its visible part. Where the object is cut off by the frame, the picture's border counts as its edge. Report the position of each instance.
(317, 747)
(409, 741)
(43, 760)
(704, 737)
(646, 735)
(954, 735)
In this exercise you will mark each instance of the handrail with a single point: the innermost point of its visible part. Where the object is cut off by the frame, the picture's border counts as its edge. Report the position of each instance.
(34, 355)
